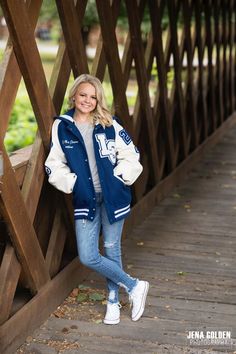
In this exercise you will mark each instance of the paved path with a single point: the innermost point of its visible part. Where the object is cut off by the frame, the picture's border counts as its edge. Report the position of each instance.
(187, 250)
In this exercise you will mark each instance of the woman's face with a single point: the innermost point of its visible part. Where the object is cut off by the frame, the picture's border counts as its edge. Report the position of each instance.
(85, 98)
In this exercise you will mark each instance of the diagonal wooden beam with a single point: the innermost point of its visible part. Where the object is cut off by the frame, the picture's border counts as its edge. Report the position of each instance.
(173, 14)
(113, 62)
(22, 36)
(231, 56)
(56, 244)
(71, 20)
(211, 74)
(155, 14)
(60, 76)
(22, 233)
(201, 87)
(99, 61)
(138, 53)
(9, 275)
(187, 12)
(218, 39)
(10, 74)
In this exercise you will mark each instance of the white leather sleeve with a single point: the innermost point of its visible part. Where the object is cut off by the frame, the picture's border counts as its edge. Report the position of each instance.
(59, 174)
(128, 165)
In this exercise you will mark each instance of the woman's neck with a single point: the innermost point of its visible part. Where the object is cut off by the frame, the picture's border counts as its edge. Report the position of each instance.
(81, 118)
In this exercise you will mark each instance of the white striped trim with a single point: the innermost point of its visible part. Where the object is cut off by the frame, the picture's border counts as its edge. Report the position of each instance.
(124, 212)
(77, 214)
(119, 210)
(75, 210)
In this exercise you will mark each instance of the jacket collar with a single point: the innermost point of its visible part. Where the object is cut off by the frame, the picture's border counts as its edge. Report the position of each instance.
(68, 116)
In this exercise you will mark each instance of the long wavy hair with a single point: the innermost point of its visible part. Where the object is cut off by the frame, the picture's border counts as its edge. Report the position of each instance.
(101, 114)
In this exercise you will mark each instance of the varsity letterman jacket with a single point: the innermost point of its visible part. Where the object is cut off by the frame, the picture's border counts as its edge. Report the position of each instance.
(117, 162)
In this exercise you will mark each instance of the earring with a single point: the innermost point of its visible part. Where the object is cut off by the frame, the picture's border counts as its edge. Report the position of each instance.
(73, 99)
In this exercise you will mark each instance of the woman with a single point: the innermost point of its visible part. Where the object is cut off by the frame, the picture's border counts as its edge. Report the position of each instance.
(93, 157)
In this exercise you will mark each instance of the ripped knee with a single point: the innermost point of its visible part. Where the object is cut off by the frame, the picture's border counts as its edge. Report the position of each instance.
(110, 244)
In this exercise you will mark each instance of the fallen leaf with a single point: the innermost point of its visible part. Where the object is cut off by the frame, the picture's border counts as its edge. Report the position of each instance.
(129, 266)
(96, 297)
(198, 289)
(83, 287)
(176, 195)
(74, 292)
(97, 321)
(187, 206)
(81, 297)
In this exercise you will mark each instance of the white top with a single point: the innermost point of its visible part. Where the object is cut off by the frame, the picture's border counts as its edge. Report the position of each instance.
(86, 130)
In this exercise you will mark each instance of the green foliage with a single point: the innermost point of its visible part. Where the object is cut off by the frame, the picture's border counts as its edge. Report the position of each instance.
(48, 11)
(22, 126)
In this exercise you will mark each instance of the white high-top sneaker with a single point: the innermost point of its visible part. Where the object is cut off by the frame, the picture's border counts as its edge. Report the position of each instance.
(138, 298)
(113, 313)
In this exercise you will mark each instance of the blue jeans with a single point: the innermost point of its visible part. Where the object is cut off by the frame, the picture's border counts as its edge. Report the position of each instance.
(109, 265)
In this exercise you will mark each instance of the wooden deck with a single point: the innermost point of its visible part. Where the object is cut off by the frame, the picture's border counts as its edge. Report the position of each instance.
(187, 250)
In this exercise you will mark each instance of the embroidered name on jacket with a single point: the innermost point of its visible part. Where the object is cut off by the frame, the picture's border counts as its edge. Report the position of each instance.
(69, 144)
(106, 147)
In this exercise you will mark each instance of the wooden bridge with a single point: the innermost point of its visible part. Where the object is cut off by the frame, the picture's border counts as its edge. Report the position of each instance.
(186, 250)
(184, 244)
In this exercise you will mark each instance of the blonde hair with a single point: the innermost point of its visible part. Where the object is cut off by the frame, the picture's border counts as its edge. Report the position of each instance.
(101, 113)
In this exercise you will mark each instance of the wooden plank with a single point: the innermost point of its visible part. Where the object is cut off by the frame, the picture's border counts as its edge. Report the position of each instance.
(23, 235)
(138, 53)
(99, 61)
(226, 62)
(114, 64)
(158, 193)
(71, 26)
(201, 92)
(231, 56)
(14, 331)
(187, 13)
(31, 68)
(9, 82)
(219, 91)
(9, 275)
(154, 9)
(173, 14)
(34, 177)
(56, 244)
(34, 163)
(60, 76)
(211, 75)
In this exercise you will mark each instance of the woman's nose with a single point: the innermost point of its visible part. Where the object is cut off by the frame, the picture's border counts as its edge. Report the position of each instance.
(87, 99)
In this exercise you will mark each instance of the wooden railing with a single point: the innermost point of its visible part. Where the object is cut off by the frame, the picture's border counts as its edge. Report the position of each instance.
(188, 59)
